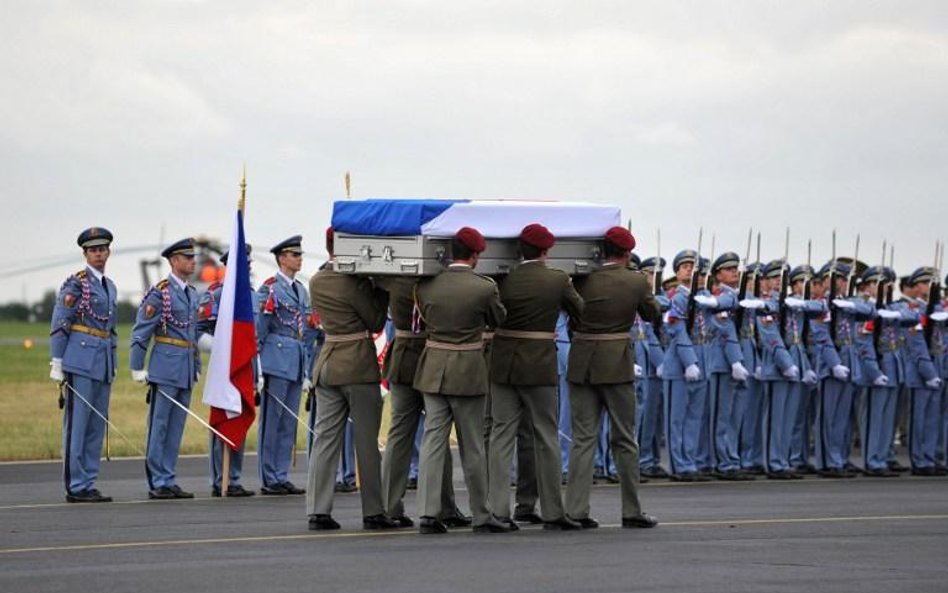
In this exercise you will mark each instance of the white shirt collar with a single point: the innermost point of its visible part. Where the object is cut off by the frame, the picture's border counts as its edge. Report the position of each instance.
(458, 266)
(98, 275)
(289, 280)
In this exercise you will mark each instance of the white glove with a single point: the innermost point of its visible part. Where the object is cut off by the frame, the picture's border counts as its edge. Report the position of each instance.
(692, 373)
(934, 383)
(739, 372)
(306, 385)
(205, 341)
(260, 383)
(707, 301)
(843, 304)
(197, 376)
(794, 302)
(887, 314)
(56, 370)
(841, 372)
(140, 376)
(660, 370)
(759, 373)
(637, 370)
(809, 377)
(939, 316)
(793, 372)
(881, 381)
(752, 304)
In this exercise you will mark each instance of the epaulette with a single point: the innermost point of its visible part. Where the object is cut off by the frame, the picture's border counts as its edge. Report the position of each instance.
(269, 281)
(81, 273)
(485, 277)
(162, 284)
(214, 286)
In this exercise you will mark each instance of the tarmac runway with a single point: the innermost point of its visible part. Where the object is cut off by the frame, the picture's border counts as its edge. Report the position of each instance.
(859, 535)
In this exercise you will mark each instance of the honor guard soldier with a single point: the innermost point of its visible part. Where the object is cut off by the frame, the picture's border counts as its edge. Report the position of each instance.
(207, 322)
(750, 443)
(285, 358)
(82, 346)
(649, 356)
(351, 309)
(456, 306)
(922, 379)
(408, 406)
(601, 374)
(523, 374)
(680, 369)
(724, 365)
(168, 313)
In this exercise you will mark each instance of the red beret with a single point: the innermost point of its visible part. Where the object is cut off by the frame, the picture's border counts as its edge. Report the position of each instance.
(537, 235)
(471, 238)
(621, 237)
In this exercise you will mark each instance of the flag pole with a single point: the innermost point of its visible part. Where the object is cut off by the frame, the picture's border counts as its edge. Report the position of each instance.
(225, 462)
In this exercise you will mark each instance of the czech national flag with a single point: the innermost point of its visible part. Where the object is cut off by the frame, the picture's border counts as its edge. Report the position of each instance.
(230, 383)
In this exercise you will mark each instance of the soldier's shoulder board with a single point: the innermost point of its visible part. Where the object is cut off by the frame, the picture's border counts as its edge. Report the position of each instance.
(162, 284)
(269, 281)
(81, 274)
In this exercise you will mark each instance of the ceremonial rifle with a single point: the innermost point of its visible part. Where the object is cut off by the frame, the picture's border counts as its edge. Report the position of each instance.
(831, 295)
(851, 286)
(742, 285)
(708, 281)
(805, 330)
(934, 296)
(880, 304)
(690, 321)
(657, 282)
(784, 286)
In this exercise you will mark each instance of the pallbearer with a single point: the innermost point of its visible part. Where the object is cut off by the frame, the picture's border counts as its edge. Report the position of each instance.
(82, 345)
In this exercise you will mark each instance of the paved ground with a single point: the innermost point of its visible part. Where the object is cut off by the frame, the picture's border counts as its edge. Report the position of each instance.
(814, 535)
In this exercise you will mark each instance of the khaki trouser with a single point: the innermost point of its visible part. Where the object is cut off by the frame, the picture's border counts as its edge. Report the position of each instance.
(509, 405)
(466, 412)
(334, 405)
(586, 403)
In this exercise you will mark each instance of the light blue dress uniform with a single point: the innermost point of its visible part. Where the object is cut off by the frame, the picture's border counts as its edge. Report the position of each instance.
(748, 414)
(683, 408)
(82, 335)
(836, 408)
(207, 321)
(778, 408)
(940, 344)
(168, 314)
(823, 358)
(649, 355)
(562, 358)
(722, 350)
(282, 337)
(700, 337)
(924, 401)
(878, 410)
(808, 315)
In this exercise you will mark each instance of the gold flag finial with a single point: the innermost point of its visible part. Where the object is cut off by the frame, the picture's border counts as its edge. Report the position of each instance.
(243, 189)
(348, 185)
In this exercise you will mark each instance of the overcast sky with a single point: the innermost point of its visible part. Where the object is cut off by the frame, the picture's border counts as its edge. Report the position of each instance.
(138, 115)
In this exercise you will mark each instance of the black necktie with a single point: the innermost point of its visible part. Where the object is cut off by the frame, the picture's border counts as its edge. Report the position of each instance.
(296, 292)
(105, 287)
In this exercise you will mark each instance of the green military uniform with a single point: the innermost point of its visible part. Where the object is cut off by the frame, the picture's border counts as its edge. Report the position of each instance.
(524, 380)
(456, 306)
(601, 373)
(407, 403)
(347, 384)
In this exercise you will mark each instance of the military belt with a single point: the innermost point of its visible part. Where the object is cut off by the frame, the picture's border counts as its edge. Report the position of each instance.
(355, 337)
(173, 341)
(408, 334)
(600, 337)
(470, 346)
(526, 335)
(85, 329)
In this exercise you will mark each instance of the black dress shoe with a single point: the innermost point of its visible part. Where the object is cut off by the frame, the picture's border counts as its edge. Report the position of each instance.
(161, 493)
(239, 491)
(562, 524)
(941, 470)
(684, 477)
(510, 523)
(655, 472)
(292, 489)
(274, 490)
(923, 471)
(586, 522)
(322, 523)
(780, 475)
(429, 525)
(898, 467)
(612, 478)
(344, 488)
(756, 470)
(90, 495)
(412, 484)
(377, 522)
(458, 519)
(493, 525)
(641, 521)
(528, 517)
(880, 473)
(403, 521)
(179, 493)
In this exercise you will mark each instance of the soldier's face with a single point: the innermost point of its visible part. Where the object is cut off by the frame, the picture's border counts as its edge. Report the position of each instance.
(291, 262)
(817, 287)
(922, 290)
(97, 256)
(684, 272)
(798, 287)
(182, 265)
(729, 276)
